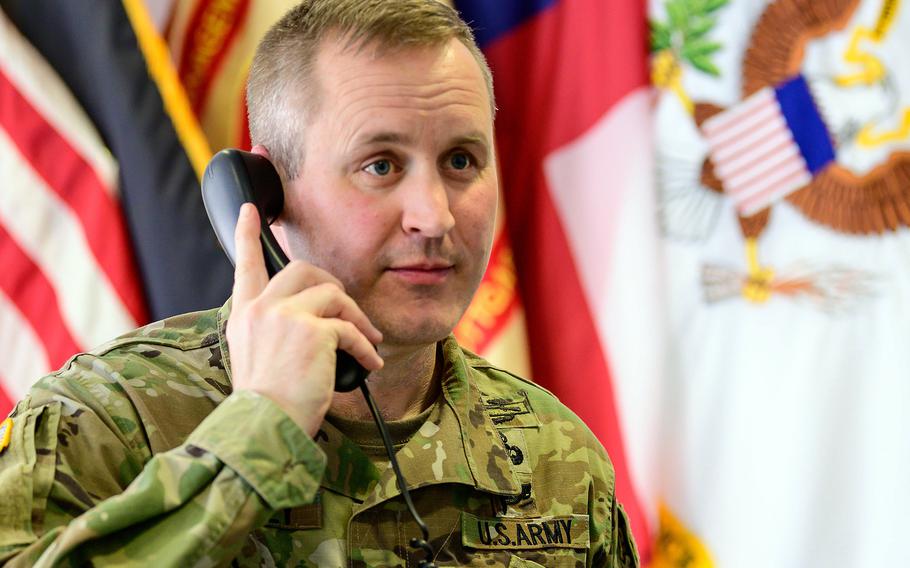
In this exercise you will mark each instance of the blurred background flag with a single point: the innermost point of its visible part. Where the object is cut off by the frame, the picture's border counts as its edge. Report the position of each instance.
(573, 136)
(101, 223)
(69, 278)
(783, 141)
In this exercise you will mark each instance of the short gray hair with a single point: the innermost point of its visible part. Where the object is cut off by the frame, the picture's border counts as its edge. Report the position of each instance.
(281, 72)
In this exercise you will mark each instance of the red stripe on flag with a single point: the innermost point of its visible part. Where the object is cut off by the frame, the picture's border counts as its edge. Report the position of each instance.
(77, 184)
(6, 401)
(27, 287)
(556, 76)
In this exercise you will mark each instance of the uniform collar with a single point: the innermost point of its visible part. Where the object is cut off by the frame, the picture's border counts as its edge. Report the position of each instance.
(457, 444)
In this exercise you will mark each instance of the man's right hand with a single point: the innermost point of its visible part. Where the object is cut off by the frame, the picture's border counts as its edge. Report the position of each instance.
(283, 332)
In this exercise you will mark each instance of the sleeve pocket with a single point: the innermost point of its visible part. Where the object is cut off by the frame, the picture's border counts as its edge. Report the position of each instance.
(27, 466)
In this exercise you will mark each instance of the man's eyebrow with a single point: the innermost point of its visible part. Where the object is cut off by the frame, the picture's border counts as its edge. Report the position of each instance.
(471, 138)
(476, 138)
(383, 138)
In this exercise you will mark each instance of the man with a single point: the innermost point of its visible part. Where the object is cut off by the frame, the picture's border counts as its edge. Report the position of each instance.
(215, 437)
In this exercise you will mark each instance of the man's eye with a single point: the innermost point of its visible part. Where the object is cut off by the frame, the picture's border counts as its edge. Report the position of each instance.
(460, 161)
(379, 168)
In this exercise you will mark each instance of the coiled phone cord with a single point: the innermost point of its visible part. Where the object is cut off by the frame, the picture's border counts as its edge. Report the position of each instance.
(417, 543)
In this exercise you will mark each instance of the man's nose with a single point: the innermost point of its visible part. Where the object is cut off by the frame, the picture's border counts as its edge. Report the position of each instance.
(426, 208)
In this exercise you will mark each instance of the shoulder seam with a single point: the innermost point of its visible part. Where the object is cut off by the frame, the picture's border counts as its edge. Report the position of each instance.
(103, 350)
(487, 365)
(205, 341)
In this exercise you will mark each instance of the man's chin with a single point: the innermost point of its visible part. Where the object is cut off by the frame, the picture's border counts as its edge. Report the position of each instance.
(414, 333)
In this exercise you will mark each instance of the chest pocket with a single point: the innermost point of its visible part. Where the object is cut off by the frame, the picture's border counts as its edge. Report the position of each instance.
(519, 562)
(558, 558)
(298, 518)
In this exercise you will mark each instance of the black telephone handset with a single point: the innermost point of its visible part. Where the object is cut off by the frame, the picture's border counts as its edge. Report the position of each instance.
(234, 177)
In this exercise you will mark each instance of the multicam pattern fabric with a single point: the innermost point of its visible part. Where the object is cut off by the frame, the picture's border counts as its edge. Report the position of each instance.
(139, 454)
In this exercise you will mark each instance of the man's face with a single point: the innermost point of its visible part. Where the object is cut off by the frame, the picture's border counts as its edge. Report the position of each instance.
(398, 188)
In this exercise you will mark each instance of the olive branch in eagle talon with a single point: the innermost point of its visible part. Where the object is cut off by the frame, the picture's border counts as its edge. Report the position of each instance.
(833, 289)
(684, 38)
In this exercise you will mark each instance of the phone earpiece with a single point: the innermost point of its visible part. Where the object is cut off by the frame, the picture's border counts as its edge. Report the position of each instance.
(263, 176)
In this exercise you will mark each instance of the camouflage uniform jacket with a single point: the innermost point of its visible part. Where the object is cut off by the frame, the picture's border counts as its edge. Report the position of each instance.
(138, 454)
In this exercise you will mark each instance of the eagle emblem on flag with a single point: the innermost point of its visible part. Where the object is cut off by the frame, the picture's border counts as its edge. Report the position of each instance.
(823, 124)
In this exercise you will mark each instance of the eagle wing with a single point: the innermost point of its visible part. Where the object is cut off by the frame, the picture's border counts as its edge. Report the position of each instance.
(873, 203)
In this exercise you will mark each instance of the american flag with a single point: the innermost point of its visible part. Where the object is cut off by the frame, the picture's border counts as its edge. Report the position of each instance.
(767, 146)
(68, 280)
(88, 215)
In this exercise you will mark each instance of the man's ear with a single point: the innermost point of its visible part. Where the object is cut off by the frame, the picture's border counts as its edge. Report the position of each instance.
(262, 151)
(277, 225)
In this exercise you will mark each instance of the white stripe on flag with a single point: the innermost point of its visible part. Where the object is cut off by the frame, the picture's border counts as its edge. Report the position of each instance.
(748, 160)
(53, 237)
(745, 182)
(22, 355)
(732, 131)
(724, 152)
(39, 83)
(784, 187)
(770, 179)
(720, 121)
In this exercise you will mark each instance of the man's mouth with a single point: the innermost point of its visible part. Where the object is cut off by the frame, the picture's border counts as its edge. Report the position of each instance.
(423, 273)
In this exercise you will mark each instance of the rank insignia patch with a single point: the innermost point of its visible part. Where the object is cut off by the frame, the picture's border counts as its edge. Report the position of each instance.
(514, 412)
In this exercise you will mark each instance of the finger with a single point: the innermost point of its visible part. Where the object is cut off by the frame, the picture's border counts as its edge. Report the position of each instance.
(296, 277)
(250, 276)
(351, 340)
(328, 301)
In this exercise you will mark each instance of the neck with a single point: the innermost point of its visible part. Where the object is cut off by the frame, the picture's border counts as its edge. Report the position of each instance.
(405, 386)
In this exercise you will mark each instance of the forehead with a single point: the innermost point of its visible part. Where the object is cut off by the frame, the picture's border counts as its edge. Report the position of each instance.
(363, 84)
